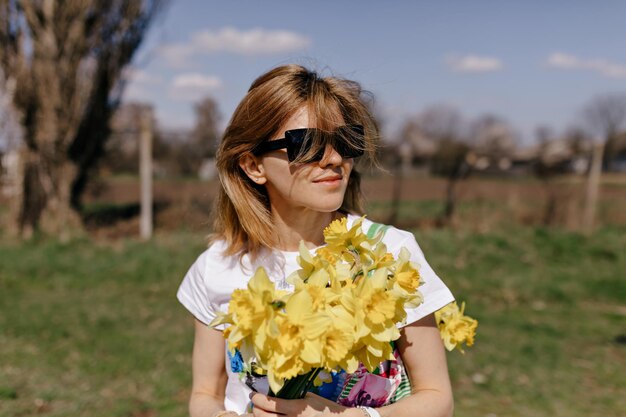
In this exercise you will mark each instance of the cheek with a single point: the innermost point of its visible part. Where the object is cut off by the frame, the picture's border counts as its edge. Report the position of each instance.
(348, 165)
(284, 183)
(284, 178)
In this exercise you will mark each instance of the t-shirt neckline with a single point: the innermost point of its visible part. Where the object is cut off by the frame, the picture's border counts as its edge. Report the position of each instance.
(289, 253)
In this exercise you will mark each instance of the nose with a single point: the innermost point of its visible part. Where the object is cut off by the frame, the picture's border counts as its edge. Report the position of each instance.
(331, 157)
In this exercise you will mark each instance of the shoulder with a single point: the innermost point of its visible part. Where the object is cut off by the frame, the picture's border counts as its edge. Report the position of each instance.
(213, 256)
(209, 282)
(394, 238)
(213, 265)
(433, 289)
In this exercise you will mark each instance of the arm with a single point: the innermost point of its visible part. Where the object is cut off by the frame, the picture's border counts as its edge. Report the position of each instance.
(209, 373)
(424, 358)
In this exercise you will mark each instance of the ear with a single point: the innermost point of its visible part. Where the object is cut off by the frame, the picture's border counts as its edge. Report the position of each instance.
(253, 168)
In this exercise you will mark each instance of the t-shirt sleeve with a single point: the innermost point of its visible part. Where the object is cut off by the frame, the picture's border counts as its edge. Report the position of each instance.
(193, 292)
(436, 294)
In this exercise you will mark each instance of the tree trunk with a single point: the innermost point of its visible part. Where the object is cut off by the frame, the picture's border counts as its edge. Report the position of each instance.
(609, 152)
(445, 219)
(460, 171)
(550, 211)
(45, 204)
(32, 196)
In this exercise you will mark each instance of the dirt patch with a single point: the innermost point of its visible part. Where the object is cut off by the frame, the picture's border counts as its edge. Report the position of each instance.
(112, 205)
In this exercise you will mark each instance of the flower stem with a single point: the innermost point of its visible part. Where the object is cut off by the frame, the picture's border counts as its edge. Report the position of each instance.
(297, 387)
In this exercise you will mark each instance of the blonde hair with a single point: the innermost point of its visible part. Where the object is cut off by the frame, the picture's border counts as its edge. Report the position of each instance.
(241, 213)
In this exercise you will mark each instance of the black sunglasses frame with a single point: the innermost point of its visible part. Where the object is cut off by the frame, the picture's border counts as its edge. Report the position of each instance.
(296, 139)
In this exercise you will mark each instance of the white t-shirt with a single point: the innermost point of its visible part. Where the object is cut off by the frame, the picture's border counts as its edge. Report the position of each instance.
(209, 283)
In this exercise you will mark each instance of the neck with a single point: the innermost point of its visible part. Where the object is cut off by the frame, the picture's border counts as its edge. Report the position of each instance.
(305, 225)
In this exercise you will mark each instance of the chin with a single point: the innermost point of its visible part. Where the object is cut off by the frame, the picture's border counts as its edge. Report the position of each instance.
(327, 206)
(325, 202)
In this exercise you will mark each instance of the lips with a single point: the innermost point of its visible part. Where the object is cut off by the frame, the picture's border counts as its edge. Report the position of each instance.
(329, 178)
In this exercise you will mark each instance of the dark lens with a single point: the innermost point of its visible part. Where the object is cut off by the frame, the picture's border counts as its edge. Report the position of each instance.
(350, 141)
(300, 143)
(296, 139)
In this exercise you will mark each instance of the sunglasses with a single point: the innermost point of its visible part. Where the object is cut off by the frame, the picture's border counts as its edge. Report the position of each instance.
(348, 141)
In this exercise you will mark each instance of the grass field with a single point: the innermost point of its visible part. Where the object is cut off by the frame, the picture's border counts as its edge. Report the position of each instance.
(94, 329)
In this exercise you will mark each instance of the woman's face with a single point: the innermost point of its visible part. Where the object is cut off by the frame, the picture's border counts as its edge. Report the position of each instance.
(317, 186)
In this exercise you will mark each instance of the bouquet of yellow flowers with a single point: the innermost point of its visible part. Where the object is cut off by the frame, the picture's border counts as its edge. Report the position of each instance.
(348, 298)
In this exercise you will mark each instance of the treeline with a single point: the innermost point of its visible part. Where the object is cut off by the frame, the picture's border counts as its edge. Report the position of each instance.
(438, 140)
(176, 153)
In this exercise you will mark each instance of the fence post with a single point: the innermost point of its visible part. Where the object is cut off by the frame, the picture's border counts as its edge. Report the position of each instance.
(593, 184)
(145, 174)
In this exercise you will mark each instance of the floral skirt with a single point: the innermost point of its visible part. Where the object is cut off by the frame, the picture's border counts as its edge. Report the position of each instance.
(387, 384)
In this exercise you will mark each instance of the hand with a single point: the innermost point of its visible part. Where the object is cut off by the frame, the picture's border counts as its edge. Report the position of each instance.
(310, 406)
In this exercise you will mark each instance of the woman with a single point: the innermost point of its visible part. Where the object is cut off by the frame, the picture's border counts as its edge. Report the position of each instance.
(286, 166)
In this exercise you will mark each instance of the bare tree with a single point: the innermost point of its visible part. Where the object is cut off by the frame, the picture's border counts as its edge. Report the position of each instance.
(205, 134)
(493, 137)
(548, 164)
(606, 116)
(66, 58)
(578, 141)
(440, 122)
(557, 155)
(122, 147)
(436, 134)
(419, 147)
(445, 125)
(188, 152)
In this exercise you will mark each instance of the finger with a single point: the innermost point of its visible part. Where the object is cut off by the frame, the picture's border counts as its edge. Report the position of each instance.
(257, 412)
(265, 403)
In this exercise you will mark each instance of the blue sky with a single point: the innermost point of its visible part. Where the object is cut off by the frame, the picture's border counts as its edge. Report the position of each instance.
(532, 63)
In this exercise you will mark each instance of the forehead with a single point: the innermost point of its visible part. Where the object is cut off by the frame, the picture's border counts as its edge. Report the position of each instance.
(305, 117)
(300, 119)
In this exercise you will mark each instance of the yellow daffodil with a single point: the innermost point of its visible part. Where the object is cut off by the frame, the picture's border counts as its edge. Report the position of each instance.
(370, 351)
(376, 305)
(252, 311)
(455, 327)
(339, 238)
(407, 279)
(338, 341)
(335, 233)
(318, 268)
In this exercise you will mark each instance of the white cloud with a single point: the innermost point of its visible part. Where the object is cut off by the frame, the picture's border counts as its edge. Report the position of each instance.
(256, 41)
(192, 86)
(141, 85)
(134, 92)
(473, 63)
(601, 66)
(194, 80)
(138, 76)
(177, 54)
